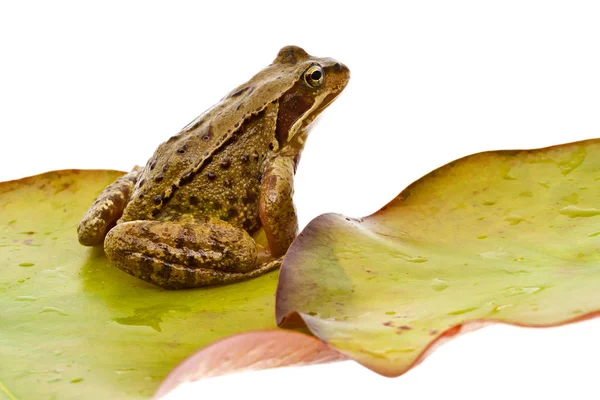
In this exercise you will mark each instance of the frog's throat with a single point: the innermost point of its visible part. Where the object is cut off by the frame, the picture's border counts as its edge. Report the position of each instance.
(321, 102)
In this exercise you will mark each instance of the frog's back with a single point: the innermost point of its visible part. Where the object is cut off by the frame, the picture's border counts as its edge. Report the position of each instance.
(169, 186)
(213, 166)
(227, 187)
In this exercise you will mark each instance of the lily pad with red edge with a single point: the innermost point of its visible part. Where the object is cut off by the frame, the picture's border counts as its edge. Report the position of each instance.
(72, 326)
(248, 352)
(502, 236)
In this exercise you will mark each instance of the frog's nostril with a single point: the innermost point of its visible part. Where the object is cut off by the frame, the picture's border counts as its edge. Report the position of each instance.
(337, 67)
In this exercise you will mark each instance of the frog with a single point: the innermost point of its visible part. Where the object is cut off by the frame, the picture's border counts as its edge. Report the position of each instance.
(214, 204)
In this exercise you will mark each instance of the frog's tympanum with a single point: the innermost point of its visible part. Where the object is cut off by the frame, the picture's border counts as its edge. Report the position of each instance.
(190, 217)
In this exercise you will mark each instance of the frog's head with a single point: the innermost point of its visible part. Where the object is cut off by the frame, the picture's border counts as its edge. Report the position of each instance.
(313, 84)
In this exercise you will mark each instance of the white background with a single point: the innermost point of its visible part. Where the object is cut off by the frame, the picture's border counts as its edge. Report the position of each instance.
(100, 85)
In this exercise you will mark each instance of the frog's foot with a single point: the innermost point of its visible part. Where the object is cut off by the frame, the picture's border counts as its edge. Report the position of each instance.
(106, 210)
(186, 253)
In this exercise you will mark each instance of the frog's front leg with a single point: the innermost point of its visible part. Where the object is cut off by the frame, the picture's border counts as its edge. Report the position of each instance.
(185, 253)
(107, 209)
(276, 206)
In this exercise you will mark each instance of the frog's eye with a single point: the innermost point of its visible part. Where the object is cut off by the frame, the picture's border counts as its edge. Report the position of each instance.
(314, 76)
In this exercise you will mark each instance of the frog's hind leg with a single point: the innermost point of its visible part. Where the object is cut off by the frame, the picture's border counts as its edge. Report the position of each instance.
(187, 253)
(106, 210)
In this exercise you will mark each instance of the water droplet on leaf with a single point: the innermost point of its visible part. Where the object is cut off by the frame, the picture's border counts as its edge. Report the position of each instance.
(26, 264)
(439, 284)
(574, 211)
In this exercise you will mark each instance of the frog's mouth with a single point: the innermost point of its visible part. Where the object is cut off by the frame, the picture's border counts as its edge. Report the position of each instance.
(311, 111)
(320, 104)
(325, 103)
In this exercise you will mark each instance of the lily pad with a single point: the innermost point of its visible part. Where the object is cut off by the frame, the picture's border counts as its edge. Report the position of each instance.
(505, 236)
(72, 326)
(248, 352)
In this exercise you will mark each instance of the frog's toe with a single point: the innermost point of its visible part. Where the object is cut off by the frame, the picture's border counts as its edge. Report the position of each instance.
(106, 210)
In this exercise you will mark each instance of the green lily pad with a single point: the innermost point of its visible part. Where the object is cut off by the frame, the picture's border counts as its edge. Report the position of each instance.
(506, 236)
(72, 326)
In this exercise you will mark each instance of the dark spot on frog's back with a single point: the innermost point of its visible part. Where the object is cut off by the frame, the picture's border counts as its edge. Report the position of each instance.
(249, 197)
(207, 134)
(186, 177)
(248, 89)
(225, 163)
(239, 92)
(194, 201)
(232, 213)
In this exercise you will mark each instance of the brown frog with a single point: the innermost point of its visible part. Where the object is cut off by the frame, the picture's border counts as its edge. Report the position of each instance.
(195, 214)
